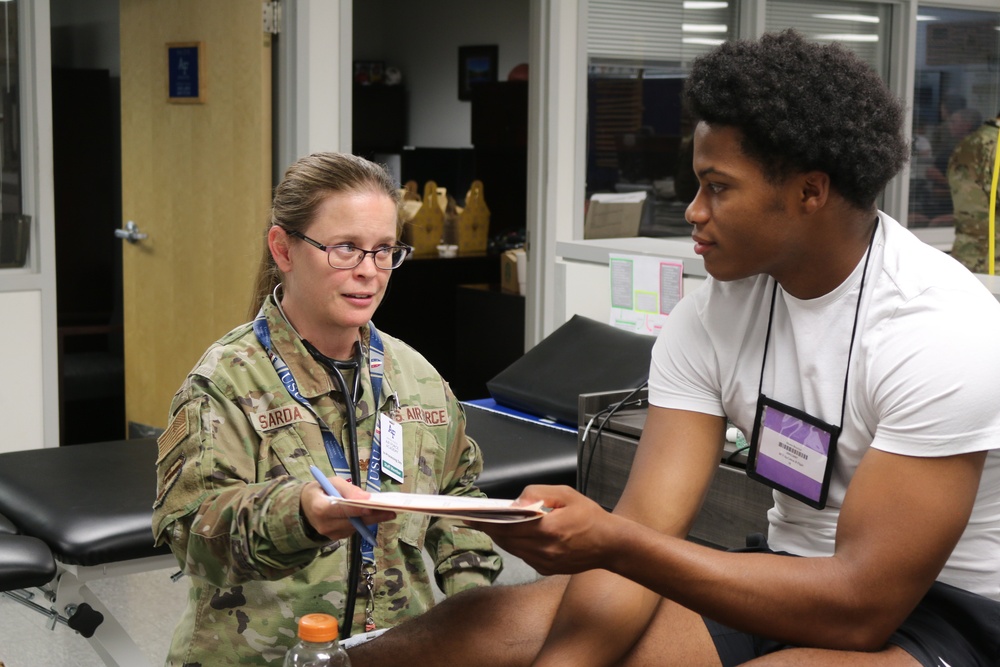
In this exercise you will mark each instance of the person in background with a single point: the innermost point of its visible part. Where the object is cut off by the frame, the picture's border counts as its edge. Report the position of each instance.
(957, 126)
(970, 176)
(828, 332)
(310, 381)
(921, 187)
(939, 134)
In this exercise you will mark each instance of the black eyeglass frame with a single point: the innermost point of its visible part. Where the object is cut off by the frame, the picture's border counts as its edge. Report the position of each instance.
(407, 249)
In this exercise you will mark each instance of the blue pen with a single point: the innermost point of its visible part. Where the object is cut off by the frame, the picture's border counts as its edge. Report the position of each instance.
(331, 491)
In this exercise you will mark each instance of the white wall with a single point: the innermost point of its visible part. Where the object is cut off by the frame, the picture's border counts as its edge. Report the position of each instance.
(21, 397)
(422, 39)
(29, 411)
(583, 281)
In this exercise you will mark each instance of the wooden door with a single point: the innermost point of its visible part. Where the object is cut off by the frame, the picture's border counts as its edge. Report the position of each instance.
(196, 178)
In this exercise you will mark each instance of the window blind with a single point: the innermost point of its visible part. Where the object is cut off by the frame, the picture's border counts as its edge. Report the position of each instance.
(660, 32)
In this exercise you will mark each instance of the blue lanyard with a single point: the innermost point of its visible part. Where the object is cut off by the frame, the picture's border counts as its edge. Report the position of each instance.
(334, 450)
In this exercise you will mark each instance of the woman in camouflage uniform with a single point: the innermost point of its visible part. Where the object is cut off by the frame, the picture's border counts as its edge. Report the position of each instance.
(260, 542)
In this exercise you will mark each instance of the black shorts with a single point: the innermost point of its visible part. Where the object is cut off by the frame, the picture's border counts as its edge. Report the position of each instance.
(949, 627)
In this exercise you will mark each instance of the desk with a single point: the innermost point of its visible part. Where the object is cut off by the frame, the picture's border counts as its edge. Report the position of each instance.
(92, 505)
(735, 506)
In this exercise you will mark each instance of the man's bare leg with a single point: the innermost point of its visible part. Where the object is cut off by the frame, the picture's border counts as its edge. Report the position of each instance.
(793, 657)
(499, 626)
(678, 636)
(675, 637)
(505, 626)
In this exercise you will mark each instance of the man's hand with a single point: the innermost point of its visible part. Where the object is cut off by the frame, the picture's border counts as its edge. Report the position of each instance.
(570, 538)
(332, 519)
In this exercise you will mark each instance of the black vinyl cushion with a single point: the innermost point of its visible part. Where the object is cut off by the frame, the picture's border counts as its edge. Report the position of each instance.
(24, 562)
(517, 453)
(580, 357)
(7, 526)
(91, 504)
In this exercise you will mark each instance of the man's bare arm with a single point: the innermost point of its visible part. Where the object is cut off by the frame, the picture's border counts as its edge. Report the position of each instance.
(901, 519)
(602, 614)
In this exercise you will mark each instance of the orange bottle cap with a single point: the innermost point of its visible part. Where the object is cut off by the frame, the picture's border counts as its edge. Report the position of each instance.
(318, 628)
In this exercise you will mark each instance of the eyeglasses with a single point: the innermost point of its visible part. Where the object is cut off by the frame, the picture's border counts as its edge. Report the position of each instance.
(348, 255)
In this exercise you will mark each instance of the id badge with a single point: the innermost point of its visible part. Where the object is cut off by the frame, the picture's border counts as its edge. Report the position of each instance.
(792, 452)
(392, 447)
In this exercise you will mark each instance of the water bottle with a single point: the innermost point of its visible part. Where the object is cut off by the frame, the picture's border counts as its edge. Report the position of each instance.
(317, 645)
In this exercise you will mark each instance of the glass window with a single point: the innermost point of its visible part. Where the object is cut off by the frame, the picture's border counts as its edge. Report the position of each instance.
(14, 227)
(639, 52)
(956, 88)
(862, 27)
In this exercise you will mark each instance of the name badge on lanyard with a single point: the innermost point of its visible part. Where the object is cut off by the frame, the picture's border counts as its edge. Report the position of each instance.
(792, 452)
(392, 447)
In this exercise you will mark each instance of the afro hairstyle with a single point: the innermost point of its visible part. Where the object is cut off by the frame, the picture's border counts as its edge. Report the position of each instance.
(802, 106)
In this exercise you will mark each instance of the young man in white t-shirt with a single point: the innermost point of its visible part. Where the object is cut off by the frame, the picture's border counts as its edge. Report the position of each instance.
(862, 364)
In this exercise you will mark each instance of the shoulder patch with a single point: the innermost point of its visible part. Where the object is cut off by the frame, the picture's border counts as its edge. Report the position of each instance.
(170, 477)
(176, 432)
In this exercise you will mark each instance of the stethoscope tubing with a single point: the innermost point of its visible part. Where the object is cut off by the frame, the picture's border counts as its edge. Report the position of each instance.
(351, 400)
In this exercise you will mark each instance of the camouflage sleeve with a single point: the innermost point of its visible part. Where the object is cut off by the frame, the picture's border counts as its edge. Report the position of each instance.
(969, 176)
(463, 558)
(971, 165)
(225, 522)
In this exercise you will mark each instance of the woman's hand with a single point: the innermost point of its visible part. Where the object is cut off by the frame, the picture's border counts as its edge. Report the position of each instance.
(332, 519)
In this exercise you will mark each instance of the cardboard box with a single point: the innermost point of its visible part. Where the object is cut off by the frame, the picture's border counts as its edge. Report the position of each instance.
(513, 271)
(612, 216)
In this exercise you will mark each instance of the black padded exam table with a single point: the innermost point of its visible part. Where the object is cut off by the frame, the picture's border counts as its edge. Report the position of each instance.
(520, 450)
(24, 561)
(90, 508)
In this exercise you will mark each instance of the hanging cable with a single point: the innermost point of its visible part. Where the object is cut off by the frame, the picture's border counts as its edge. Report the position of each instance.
(607, 413)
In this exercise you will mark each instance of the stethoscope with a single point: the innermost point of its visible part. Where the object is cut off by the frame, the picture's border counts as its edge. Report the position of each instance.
(336, 368)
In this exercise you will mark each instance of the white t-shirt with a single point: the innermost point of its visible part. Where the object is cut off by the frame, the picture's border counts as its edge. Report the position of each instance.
(924, 378)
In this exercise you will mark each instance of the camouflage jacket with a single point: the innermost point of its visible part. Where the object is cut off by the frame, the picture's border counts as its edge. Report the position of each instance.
(230, 470)
(970, 175)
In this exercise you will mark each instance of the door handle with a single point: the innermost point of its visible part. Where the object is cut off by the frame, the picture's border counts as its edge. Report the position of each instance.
(131, 233)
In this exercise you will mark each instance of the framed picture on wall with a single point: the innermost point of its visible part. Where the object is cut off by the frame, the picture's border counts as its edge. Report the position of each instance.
(476, 64)
(186, 72)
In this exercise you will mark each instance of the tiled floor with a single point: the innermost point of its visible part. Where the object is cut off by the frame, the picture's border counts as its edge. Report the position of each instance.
(147, 605)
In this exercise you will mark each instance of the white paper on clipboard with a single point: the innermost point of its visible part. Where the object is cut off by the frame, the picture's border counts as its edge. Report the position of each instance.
(491, 510)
